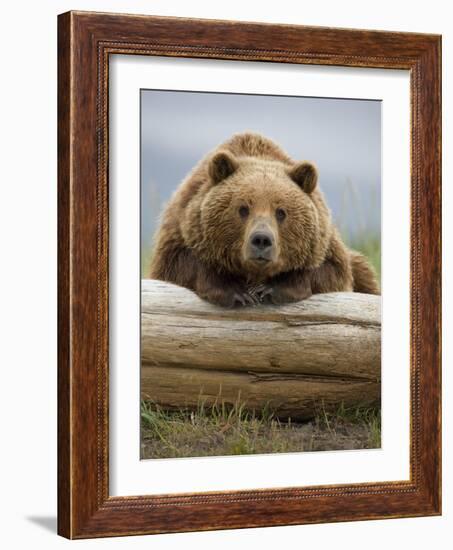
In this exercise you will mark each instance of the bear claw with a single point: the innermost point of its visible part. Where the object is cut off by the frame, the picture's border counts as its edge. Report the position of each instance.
(261, 292)
(245, 299)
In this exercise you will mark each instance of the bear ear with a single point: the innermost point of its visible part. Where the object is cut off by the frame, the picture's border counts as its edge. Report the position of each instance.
(305, 175)
(222, 165)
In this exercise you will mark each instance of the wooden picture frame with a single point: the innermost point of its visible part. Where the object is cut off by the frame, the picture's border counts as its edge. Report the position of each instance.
(85, 42)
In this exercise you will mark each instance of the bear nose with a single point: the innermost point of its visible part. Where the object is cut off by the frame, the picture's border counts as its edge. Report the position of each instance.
(261, 241)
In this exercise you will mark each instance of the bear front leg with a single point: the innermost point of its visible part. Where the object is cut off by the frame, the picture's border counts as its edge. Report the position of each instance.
(286, 288)
(223, 290)
(330, 276)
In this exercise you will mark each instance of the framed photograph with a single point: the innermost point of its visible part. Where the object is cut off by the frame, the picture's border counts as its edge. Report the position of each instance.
(249, 275)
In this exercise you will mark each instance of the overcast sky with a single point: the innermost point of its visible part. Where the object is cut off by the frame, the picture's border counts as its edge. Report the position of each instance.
(341, 136)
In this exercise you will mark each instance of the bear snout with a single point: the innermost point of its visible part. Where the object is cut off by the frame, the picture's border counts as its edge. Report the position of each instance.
(261, 245)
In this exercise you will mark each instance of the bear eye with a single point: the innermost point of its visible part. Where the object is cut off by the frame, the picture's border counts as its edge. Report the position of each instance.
(244, 211)
(280, 214)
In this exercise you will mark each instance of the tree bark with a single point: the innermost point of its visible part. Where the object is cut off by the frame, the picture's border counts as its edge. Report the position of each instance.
(292, 359)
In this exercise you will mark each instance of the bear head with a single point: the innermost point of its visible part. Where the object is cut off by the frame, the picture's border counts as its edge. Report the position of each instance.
(257, 217)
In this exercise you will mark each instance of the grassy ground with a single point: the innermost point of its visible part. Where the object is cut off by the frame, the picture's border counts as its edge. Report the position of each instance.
(219, 431)
(370, 246)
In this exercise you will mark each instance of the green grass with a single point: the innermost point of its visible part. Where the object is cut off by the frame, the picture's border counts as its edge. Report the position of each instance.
(221, 430)
(369, 245)
(145, 260)
(368, 418)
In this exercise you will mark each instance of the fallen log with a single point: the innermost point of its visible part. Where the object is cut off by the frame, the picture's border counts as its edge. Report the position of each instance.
(292, 359)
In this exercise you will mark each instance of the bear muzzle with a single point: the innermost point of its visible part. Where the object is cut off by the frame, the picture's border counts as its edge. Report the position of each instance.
(261, 244)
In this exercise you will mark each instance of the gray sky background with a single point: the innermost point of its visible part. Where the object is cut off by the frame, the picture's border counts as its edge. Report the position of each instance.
(341, 136)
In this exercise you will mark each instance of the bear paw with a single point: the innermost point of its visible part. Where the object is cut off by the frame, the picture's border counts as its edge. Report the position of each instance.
(277, 295)
(261, 293)
(230, 297)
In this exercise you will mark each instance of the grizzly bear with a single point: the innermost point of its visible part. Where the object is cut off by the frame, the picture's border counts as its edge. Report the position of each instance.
(249, 225)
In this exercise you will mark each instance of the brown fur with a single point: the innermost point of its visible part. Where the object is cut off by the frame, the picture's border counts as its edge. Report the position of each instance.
(204, 239)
